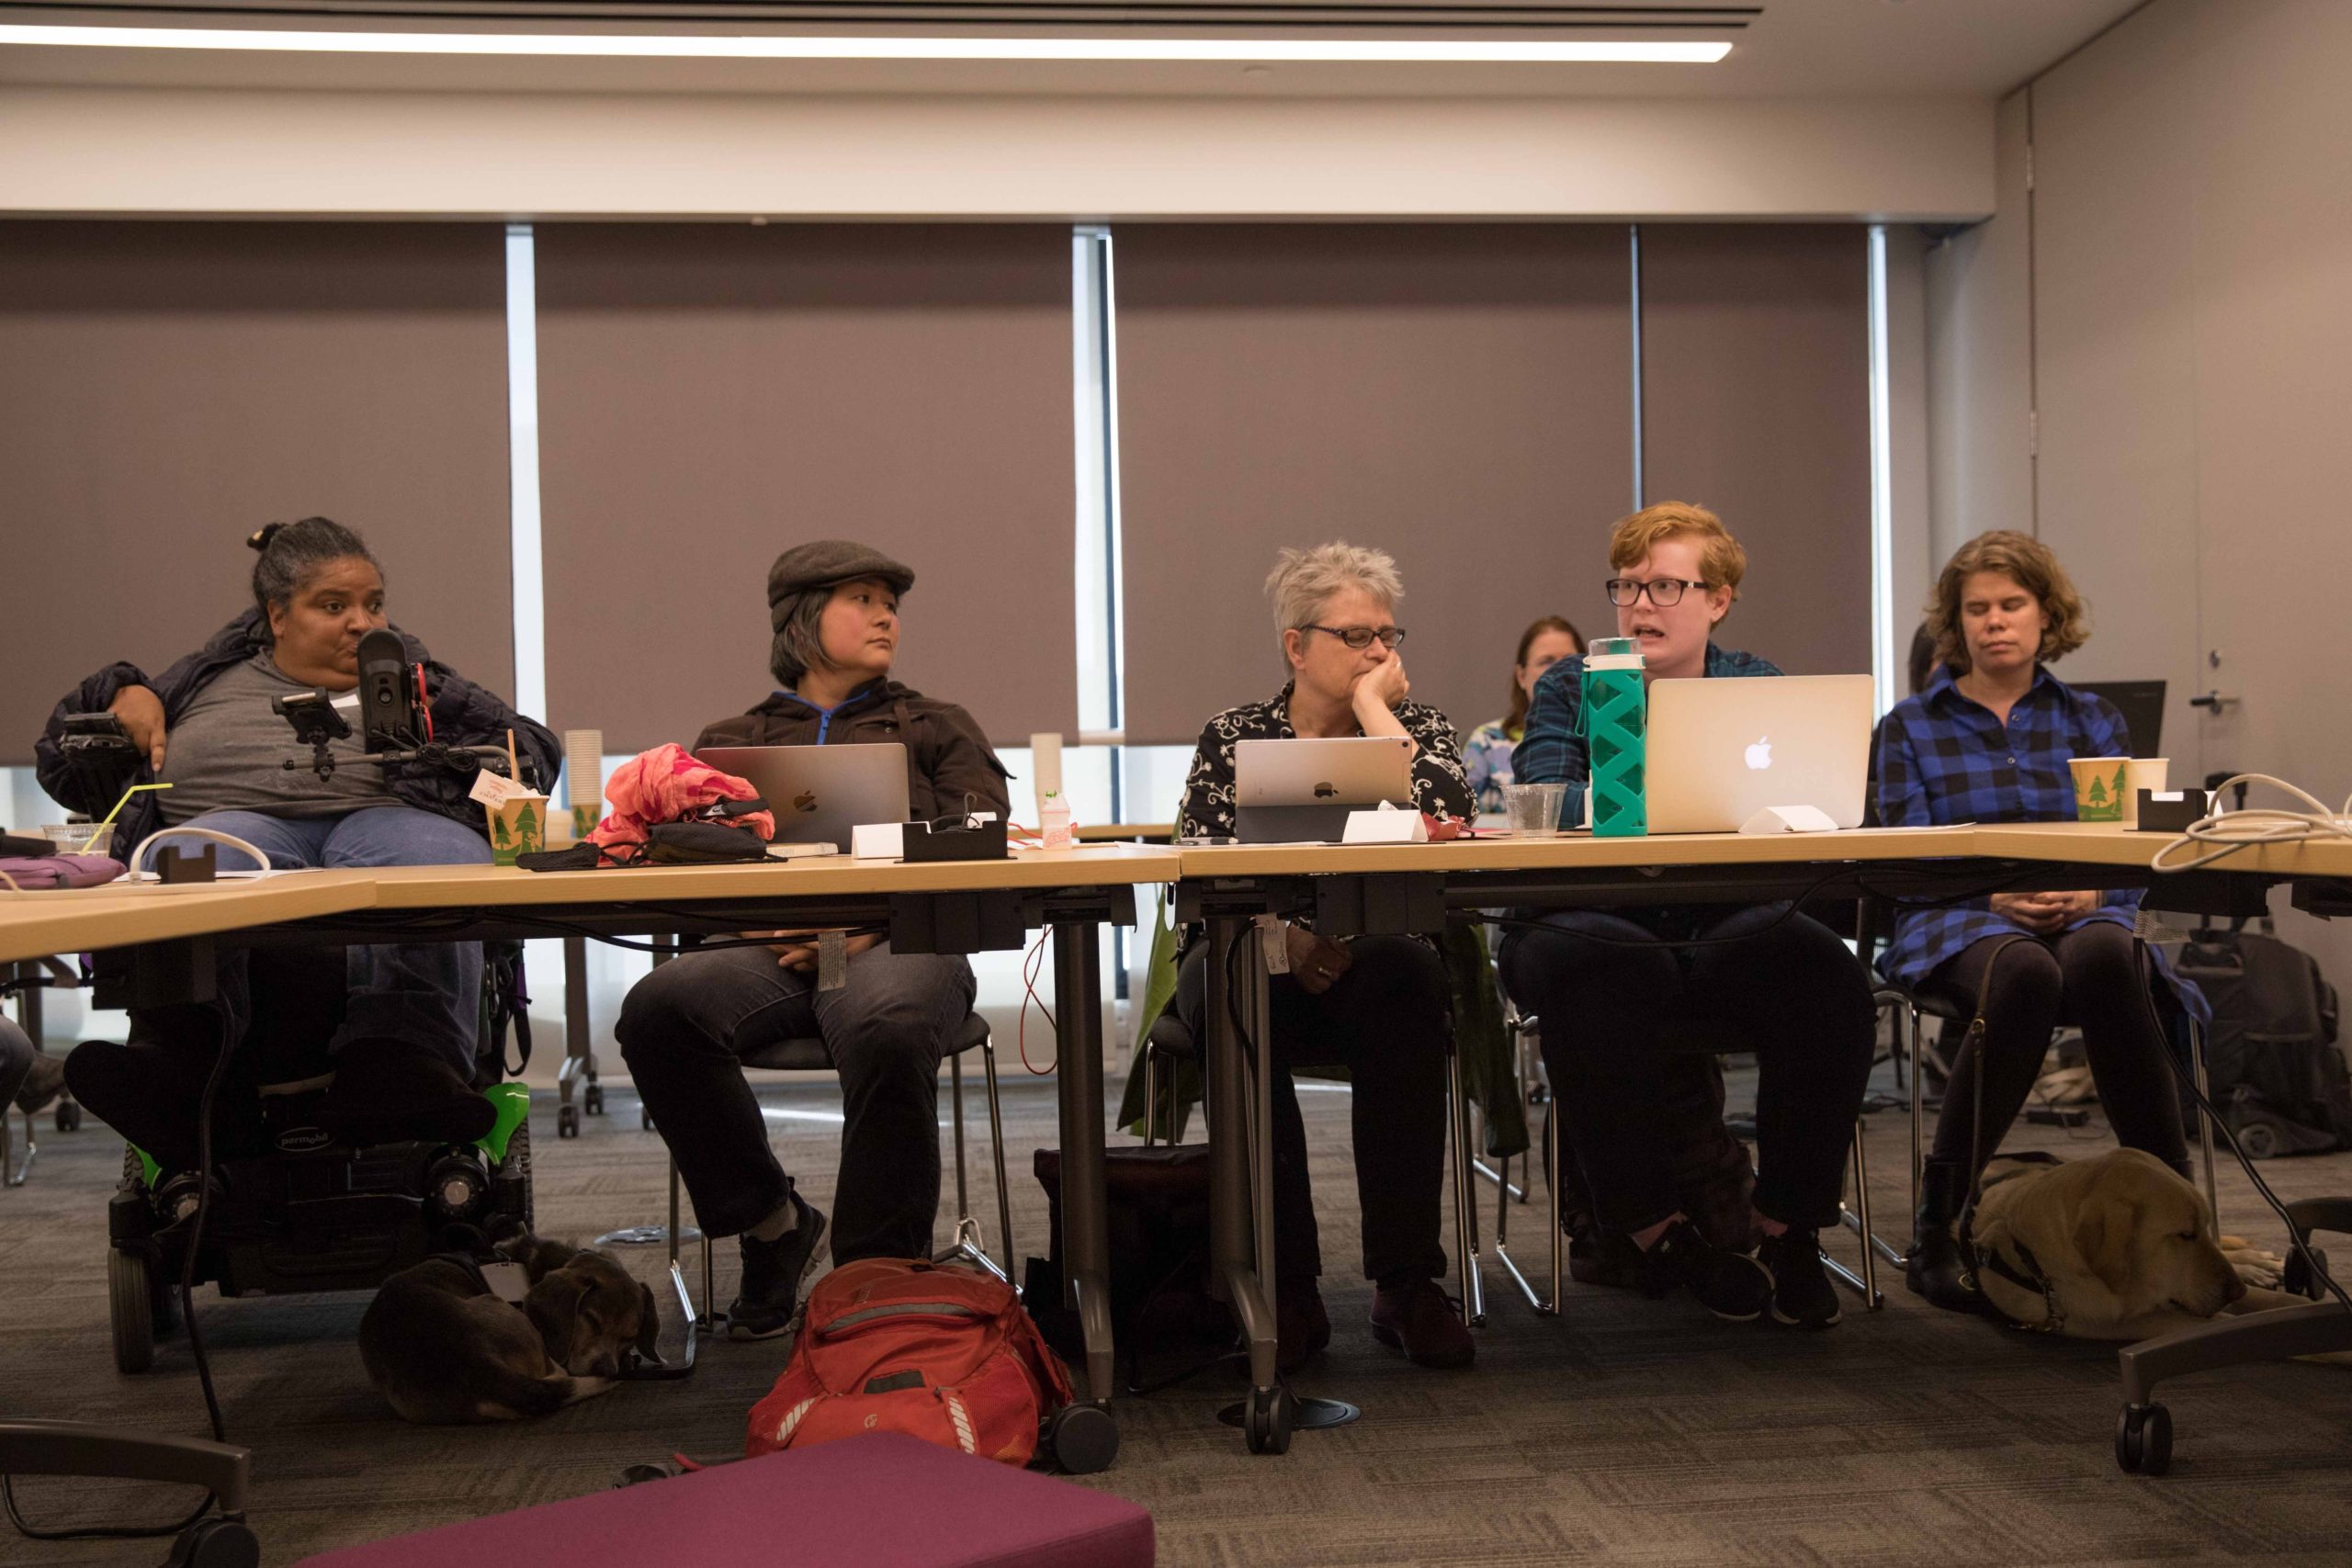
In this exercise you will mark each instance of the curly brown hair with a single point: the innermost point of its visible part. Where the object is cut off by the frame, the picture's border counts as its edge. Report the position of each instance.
(2033, 566)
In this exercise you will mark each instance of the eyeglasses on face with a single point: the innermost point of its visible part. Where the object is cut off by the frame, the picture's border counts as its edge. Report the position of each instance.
(1664, 592)
(1361, 638)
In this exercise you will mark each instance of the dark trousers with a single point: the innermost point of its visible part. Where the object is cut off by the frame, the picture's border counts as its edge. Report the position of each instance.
(682, 1027)
(1386, 1020)
(1613, 1000)
(2087, 976)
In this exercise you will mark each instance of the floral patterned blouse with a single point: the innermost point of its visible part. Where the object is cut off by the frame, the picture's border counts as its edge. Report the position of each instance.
(1439, 788)
(1486, 761)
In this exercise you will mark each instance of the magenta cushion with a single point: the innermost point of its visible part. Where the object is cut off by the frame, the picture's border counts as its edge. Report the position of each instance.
(884, 1501)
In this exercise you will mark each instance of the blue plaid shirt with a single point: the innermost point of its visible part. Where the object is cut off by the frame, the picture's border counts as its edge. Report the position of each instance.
(1945, 759)
(1551, 748)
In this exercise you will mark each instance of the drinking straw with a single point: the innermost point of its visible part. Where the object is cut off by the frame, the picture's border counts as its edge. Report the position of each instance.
(99, 826)
(514, 767)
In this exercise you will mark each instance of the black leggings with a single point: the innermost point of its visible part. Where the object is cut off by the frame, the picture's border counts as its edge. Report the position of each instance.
(1613, 998)
(2087, 976)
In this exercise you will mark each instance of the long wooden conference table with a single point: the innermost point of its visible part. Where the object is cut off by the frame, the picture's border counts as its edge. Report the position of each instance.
(968, 906)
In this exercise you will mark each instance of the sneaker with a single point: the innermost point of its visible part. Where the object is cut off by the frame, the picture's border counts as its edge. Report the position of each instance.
(1419, 1320)
(1732, 1285)
(768, 1294)
(1803, 1296)
(1301, 1326)
(1596, 1259)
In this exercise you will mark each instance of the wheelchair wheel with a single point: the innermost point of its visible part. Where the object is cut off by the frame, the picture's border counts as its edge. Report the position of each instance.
(131, 1306)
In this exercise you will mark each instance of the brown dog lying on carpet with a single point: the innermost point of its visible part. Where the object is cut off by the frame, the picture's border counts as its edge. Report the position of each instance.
(444, 1349)
(2116, 1247)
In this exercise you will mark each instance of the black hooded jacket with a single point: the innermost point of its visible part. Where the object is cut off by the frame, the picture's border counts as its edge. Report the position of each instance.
(463, 714)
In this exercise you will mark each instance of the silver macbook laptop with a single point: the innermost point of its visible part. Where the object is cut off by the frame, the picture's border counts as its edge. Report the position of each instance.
(1299, 791)
(1721, 750)
(819, 792)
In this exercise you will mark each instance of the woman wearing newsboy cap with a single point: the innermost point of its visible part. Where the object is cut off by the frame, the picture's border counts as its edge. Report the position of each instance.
(833, 607)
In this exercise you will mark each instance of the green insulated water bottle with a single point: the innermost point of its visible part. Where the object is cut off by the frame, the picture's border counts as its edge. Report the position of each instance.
(1614, 705)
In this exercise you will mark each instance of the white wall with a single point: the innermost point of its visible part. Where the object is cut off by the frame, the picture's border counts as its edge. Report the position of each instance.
(2191, 317)
(175, 149)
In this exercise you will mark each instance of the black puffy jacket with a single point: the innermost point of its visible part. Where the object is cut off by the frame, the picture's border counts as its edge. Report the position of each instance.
(463, 714)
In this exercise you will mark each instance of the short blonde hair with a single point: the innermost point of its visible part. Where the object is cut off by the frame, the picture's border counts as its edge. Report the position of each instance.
(1303, 582)
(2033, 566)
(1631, 540)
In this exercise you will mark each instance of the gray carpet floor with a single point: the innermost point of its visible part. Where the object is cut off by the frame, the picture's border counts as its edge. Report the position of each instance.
(1628, 1431)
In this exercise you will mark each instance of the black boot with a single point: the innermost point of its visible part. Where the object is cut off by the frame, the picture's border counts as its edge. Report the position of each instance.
(1935, 1265)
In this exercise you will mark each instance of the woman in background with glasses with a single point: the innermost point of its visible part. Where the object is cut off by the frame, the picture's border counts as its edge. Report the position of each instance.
(1486, 756)
(1375, 1005)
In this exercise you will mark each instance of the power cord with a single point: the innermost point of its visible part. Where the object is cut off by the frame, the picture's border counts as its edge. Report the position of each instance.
(2141, 958)
(187, 1316)
(2230, 832)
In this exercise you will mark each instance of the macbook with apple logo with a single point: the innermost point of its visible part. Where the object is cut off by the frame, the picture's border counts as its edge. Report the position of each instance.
(1721, 750)
(818, 793)
(1301, 790)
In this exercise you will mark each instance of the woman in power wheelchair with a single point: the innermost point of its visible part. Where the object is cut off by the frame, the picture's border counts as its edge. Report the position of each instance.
(401, 1057)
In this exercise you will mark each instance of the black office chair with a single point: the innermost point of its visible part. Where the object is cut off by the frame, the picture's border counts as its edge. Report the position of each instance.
(27, 982)
(811, 1056)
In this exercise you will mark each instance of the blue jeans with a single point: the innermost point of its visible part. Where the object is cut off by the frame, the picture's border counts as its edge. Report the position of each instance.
(427, 993)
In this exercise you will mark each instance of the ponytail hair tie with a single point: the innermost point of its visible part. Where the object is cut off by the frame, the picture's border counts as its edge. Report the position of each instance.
(260, 539)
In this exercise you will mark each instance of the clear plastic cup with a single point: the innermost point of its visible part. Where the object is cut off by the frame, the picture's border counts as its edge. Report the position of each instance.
(80, 838)
(1534, 809)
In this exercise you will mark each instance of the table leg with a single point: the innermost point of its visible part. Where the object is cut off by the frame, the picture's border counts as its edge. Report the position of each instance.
(1086, 1235)
(1240, 1253)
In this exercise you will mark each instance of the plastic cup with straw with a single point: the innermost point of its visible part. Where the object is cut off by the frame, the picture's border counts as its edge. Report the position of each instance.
(97, 828)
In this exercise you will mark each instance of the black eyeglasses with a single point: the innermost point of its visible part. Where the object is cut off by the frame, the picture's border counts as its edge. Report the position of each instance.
(1361, 638)
(1664, 592)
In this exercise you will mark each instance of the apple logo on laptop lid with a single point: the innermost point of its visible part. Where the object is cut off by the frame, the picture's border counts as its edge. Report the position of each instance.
(1760, 756)
(805, 801)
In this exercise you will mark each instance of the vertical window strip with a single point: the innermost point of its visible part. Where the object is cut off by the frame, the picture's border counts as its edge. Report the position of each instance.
(1634, 232)
(1886, 659)
(523, 467)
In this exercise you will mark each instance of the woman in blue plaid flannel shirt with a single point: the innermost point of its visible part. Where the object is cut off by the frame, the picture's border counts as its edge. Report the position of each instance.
(1989, 740)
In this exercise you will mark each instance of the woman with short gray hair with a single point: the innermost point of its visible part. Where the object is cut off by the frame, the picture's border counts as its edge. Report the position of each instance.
(1376, 1005)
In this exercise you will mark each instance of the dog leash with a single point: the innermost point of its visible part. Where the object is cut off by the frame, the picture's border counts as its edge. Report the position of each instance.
(2027, 1277)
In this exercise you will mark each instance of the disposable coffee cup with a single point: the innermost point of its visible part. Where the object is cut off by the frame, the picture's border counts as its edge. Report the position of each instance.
(2102, 790)
(1534, 809)
(519, 825)
(2138, 773)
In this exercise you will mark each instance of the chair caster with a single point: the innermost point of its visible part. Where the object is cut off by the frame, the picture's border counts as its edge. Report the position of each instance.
(69, 1116)
(2143, 1439)
(2298, 1280)
(592, 1100)
(1266, 1423)
(567, 1121)
(1082, 1437)
(215, 1543)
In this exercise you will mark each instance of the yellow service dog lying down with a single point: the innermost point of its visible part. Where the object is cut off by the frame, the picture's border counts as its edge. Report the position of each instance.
(2116, 1247)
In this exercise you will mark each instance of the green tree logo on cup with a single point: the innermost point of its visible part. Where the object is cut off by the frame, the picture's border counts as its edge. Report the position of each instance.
(2100, 791)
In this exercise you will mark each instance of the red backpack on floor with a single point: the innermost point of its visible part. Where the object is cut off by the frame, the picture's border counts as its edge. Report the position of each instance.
(901, 1345)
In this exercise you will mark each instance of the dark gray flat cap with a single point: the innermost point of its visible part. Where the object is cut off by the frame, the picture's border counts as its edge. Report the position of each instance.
(821, 564)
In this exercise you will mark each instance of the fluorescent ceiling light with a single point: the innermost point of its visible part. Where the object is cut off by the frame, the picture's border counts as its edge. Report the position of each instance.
(769, 45)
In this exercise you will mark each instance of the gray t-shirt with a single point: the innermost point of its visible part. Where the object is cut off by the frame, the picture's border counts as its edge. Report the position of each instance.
(228, 751)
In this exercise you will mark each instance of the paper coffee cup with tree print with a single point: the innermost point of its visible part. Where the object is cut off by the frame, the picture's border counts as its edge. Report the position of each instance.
(2100, 788)
(518, 817)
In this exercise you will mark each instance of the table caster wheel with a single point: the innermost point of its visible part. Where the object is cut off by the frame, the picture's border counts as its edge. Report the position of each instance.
(2299, 1280)
(1267, 1422)
(593, 1101)
(1082, 1437)
(567, 1121)
(2143, 1439)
